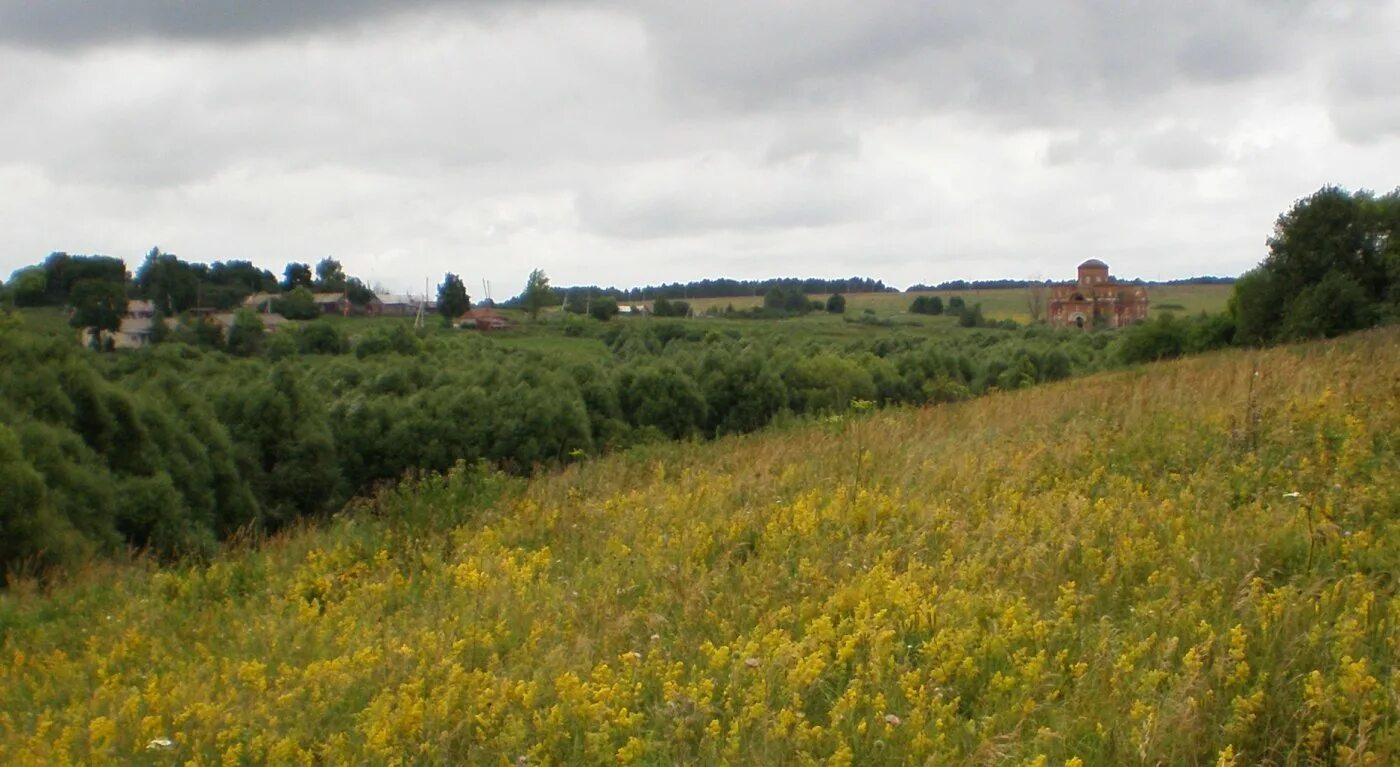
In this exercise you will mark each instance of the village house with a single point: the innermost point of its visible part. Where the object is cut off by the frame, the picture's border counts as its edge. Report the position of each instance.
(136, 329)
(483, 318)
(270, 322)
(396, 305)
(327, 303)
(333, 303)
(260, 302)
(1095, 300)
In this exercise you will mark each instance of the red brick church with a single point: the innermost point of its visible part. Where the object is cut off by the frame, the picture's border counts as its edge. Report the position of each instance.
(1096, 297)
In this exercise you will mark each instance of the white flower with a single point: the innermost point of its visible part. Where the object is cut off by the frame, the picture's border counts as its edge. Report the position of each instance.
(751, 662)
(1294, 494)
(160, 744)
(892, 720)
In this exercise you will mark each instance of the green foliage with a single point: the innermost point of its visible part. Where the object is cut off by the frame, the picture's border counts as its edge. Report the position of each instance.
(576, 301)
(1335, 304)
(146, 465)
(31, 532)
(282, 445)
(1162, 337)
(836, 304)
(1331, 268)
(1165, 337)
(296, 275)
(971, 316)
(928, 305)
(246, 335)
(788, 300)
(171, 284)
(29, 287)
(452, 298)
(98, 305)
(398, 338)
(62, 272)
(667, 307)
(199, 330)
(175, 286)
(330, 276)
(299, 303)
(826, 383)
(956, 304)
(297, 428)
(661, 396)
(603, 308)
(160, 329)
(537, 294)
(358, 292)
(321, 338)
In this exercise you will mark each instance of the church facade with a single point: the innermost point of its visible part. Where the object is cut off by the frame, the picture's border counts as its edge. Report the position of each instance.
(1095, 300)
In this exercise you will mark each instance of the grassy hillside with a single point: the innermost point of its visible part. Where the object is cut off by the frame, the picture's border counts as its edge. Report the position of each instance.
(1190, 563)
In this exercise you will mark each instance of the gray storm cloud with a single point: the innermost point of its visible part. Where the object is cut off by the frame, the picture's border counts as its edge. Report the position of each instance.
(635, 142)
(79, 23)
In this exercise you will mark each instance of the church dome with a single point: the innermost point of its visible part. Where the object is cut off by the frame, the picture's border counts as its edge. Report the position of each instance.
(1093, 263)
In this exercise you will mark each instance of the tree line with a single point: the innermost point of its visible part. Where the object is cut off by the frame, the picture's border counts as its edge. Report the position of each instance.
(1006, 284)
(717, 288)
(172, 448)
(174, 285)
(1333, 267)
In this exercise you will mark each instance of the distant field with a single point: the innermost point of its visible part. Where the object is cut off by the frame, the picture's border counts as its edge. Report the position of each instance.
(1007, 303)
(893, 307)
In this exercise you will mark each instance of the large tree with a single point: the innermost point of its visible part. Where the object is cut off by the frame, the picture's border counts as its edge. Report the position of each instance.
(98, 305)
(330, 276)
(62, 272)
(171, 284)
(452, 298)
(296, 275)
(29, 286)
(603, 308)
(297, 304)
(537, 294)
(242, 275)
(246, 334)
(1328, 270)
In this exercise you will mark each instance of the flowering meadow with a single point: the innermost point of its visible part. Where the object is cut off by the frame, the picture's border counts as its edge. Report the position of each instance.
(1183, 563)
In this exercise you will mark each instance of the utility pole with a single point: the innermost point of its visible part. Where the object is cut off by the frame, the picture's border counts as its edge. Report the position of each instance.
(420, 320)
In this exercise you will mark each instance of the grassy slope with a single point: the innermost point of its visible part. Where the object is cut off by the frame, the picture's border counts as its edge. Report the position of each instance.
(1112, 569)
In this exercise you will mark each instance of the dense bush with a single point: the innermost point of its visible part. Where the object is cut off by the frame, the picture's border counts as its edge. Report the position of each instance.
(321, 338)
(246, 335)
(971, 316)
(789, 300)
(173, 447)
(603, 308)
(665, 307)
(299, 303)
(1333, 266)
(927, 305)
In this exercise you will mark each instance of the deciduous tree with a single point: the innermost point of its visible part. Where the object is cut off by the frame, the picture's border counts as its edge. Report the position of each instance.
(537, 294)
(452, 298)
(98, 305)
(296, 276)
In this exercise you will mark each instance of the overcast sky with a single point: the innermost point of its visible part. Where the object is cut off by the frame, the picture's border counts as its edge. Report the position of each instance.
(629, 143)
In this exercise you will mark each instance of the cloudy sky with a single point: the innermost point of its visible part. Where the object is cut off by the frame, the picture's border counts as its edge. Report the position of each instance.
(639, 142)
